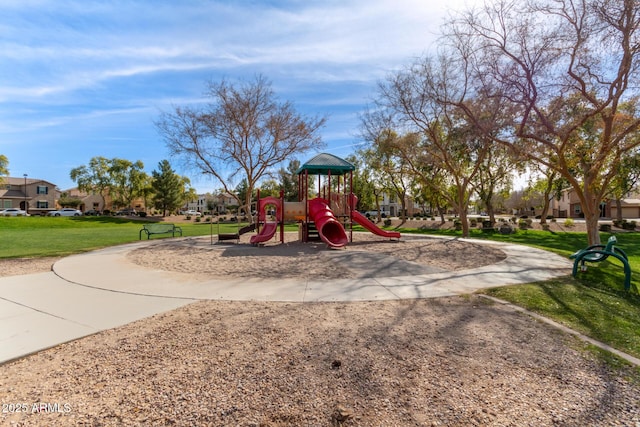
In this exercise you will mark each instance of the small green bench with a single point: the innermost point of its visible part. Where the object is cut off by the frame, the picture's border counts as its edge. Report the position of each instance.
(599, 253)
(150, 229)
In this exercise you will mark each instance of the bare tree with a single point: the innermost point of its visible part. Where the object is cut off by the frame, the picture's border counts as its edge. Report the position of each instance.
(568, 72)
(242, 134)
(420, 100)
(495, 177)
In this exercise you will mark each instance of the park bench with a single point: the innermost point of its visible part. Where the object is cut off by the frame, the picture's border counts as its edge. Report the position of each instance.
(599, 253)
(150, 229)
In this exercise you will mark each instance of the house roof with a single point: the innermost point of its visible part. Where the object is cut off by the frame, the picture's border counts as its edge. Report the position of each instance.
(11, 194)
(325, 164)
(12, 180)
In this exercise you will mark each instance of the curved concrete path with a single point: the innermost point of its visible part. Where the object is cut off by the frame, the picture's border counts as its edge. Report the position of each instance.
(100, 290)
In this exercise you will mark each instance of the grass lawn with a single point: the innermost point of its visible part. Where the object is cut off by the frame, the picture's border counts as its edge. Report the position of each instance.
(595, 303)
(54, 236)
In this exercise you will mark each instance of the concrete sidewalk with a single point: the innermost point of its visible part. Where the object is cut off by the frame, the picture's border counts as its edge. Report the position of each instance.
(101, 290)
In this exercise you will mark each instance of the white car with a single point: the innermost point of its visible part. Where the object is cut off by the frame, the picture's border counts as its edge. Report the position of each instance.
(13, 212)
(192, 212)
(65, 212)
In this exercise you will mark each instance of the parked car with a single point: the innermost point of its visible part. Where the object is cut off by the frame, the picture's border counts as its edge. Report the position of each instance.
(193, 213)
(13, 212)
(92, 212)
(65, 212)
(127, 212)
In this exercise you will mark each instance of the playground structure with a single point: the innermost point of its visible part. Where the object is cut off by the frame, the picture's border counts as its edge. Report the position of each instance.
(325, 215)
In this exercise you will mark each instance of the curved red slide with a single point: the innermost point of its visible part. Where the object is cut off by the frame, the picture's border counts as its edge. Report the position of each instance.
(366, 223)
(265, 234)
(329, 228)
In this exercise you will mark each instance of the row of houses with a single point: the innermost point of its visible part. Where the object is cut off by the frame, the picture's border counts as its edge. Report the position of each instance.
(38, 196)
(569, 206)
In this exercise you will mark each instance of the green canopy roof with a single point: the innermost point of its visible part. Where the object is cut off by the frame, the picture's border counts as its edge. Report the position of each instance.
(325, 164)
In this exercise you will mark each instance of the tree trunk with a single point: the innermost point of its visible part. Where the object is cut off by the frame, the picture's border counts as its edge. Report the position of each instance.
(491, 212)
(591, 210)
(462, 211)
(545, 209)
(618, 209)
(464, 222)
(593, 233)
(441, 212)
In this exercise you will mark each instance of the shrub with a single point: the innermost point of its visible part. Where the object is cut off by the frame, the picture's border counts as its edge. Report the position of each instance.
(198, 219)
(605, 227)
(522, 224)
(629, 225)
(506, 228)
(387, 222)
(188, 217)
(142, 214)
(473, 222)
(568, 222)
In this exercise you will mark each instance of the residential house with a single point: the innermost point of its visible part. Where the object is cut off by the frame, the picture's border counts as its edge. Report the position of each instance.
(630, 208)
(220, 202)
(390, 205)
(95, 201)
(569, 206)
(36, 196)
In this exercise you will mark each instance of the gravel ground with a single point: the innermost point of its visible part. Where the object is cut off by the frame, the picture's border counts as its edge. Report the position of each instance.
(459, 361)
(440, 362)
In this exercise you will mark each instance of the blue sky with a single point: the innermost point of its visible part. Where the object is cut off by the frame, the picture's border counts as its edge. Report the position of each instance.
(80, 79)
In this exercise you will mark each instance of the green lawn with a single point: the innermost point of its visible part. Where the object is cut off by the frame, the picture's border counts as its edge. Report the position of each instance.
(51, 236)
(595, 303)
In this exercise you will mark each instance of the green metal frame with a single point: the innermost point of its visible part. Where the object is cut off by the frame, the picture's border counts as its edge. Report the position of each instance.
(599, 253)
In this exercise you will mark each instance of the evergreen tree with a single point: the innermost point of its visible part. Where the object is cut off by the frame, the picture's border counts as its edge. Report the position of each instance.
(168, 188)
(289, 180)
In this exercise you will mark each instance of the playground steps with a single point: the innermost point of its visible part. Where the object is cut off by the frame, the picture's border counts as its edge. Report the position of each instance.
(312, 232)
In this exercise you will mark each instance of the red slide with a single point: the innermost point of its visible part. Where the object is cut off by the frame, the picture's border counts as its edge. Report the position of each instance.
(329, 228)
(265, 234)
(366, 223)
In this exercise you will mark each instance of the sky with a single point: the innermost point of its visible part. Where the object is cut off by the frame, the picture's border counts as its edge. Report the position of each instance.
(80, 79)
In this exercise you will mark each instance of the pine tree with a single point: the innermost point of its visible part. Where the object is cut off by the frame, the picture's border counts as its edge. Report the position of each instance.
(168, 188)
